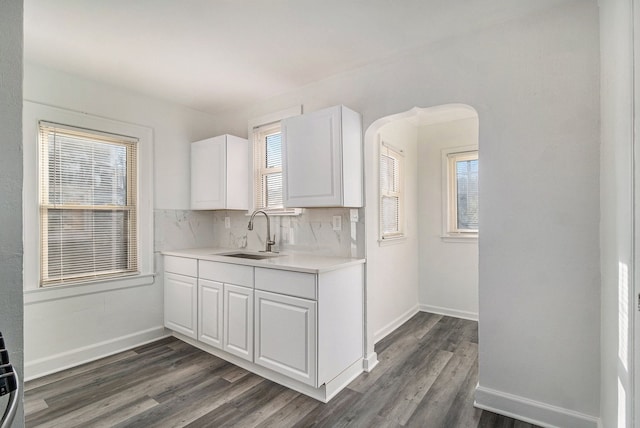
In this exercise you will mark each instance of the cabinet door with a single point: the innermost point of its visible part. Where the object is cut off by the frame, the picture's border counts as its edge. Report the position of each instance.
(210, 312)
(208, 173)
(312, 161)
(238, 321)
(286, 335)
(180, 304)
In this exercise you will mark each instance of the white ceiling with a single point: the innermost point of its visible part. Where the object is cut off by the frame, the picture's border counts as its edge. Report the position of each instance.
(215, 55)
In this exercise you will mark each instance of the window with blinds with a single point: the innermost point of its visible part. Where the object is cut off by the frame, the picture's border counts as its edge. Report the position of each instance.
(390, 192)
(88, 198)
(268, 167)
(463, 192)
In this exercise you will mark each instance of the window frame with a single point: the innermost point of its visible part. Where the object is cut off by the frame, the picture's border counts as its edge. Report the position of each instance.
(450, 157)
(260, 169)
(130, 145)
(257, 127)
(397, 154)
(33, 113)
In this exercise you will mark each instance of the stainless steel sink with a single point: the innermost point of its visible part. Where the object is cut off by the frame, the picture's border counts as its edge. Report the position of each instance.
(252, 256)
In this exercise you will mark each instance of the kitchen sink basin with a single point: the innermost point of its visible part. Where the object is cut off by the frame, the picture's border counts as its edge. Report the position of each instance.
(252, 256)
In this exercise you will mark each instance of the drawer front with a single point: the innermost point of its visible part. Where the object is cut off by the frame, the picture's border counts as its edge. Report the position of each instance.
(181, 265)
(227, 273)
(295, 284)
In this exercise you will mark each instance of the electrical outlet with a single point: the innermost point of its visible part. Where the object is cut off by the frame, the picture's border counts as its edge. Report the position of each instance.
(227, 223)
(337, 222)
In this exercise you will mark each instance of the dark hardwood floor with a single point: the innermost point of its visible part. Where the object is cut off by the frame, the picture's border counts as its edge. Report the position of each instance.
(426, 377)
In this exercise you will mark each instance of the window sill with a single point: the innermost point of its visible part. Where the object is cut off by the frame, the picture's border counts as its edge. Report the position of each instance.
(392, 241)
(44, 294)
(280, 213)
(467, 238)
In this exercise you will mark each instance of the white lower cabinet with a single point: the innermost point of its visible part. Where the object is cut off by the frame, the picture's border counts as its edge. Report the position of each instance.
(180, 303)
(210, 310)
(285, 336)
(238, 321)
(301, 329)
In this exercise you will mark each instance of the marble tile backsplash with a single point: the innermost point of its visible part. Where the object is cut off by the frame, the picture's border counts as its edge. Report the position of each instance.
(179, 229)
(310, 232)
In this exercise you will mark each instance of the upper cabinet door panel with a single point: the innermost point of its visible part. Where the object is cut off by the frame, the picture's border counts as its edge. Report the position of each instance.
(312, 159)
(322, 159)
(220, 173)
(208, 173)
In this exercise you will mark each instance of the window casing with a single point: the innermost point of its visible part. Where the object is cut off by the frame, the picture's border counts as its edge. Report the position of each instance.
(267, 152)
(391, 203)
(462, 198)
(88, 205)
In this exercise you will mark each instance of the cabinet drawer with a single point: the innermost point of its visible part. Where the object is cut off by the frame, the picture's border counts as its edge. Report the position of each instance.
(296, 284)
(181, 265)
(227, 273)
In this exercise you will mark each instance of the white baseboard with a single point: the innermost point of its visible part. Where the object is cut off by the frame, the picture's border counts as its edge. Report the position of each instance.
(535, 412)
(473, 316)
(387, 329)
(370, 362)
(75, 357)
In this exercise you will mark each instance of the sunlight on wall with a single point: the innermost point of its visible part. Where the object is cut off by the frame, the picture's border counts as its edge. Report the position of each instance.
(623, 314)
(623, 341)
(622, 408)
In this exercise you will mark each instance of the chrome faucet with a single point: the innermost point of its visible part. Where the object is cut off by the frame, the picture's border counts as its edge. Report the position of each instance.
(269, 242)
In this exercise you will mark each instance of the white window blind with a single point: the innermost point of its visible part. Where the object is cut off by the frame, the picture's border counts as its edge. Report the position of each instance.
(88, 201)
(462, 192)
(467, 194)
(268, 167)
(390, 192)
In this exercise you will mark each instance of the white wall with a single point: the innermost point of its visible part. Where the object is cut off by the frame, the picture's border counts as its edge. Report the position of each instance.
(62, 332)
(448, 269)
(534, 82)
(616, 37)
(392, 267)
(11, 313)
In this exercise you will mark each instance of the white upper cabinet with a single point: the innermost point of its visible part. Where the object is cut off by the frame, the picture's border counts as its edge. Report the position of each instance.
(322, 159)
(220, 173)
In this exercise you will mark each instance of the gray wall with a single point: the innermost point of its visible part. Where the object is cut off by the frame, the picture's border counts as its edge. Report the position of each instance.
(11, 183)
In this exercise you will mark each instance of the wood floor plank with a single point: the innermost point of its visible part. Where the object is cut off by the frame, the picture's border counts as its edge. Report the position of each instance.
(115, 416)
(292, 413)
(81, 380)
(325, 414)
(426, 378)
(259, 402)
(235, 373)
(57, 377)
(193, 404)
(462, 412)
(33, 406)
(435, 405)
(415, 386)
(67, 402)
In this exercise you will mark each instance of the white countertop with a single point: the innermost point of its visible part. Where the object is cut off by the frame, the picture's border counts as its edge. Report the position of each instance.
(285, 261)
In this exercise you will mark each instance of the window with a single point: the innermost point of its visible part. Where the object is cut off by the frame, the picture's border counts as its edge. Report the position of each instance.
(88, 204)
(268, 167)
(461, 168)
(391, 198)
(267, 161)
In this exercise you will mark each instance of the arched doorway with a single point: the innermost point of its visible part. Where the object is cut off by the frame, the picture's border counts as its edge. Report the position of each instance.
(417, 268)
